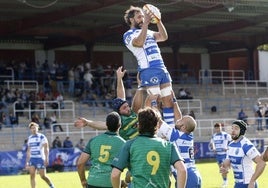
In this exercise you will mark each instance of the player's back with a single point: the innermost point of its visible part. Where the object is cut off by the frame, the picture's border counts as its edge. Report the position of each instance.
(129, 125)
(102, 150)
(150, 161)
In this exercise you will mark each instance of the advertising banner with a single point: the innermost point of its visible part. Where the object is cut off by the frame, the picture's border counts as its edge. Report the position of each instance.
(13, 162)
(203, 150)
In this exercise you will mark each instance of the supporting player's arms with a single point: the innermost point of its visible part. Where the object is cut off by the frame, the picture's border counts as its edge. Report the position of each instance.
(83, 122)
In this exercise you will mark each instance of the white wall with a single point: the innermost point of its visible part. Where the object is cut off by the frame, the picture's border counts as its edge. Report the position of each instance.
(263, 66)
(205, 65)
(205, 61)
(40, 55)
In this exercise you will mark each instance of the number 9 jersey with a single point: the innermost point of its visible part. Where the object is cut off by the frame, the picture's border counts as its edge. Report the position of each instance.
(148, 159)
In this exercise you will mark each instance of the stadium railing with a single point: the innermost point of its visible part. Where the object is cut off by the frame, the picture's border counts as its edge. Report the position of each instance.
(214, 76)
(22, 85)
(245, 86)
(189, 105)
(44, 107)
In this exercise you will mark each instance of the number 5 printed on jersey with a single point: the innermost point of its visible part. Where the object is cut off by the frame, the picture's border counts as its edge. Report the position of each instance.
(104, 153)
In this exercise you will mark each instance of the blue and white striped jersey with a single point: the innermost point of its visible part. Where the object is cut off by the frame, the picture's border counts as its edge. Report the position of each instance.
(149, 56)
(220, 142)
(35, 144)
(241, 155)
(184, 142)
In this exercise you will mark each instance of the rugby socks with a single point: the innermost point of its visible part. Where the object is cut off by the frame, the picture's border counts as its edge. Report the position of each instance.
(168, 115)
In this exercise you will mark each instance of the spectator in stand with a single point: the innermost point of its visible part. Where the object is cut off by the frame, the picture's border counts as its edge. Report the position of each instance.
(24, 98)
(56, 143)
(71, 81)
(59, 74)
(19, 106)
(13, 119)
(36, 119)
(192, 114)
(21, 70)
(88, 80)
(87, 65)
(45, 77)
(24, 146)
(9, 97)
(16, 94)
(242, 116)
(41, 95)
(99, 73)
(37, 68)
(184, 70)
(47, 122)
(60, 100)
(78, 86)
(52, 77)
(6, 119)
(184, 94)
(90, 98)
(81, 144)
(108, 79)
(32, 101)
(58, 164)
(265, 114)
(53, 119)
(67, 143)
(258, 115)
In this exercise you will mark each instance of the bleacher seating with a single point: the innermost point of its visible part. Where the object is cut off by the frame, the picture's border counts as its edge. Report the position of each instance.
(227, 106)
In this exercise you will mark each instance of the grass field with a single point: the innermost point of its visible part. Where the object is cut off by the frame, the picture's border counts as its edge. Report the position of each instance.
(209, 172)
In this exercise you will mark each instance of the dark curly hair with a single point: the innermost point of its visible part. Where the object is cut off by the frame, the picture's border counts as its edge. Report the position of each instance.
(148, 119)
(130, 13)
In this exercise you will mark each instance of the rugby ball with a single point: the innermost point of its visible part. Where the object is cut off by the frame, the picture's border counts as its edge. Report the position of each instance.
(155, 11)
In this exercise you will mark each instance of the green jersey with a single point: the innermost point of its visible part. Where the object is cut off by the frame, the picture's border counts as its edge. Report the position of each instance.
(102, 149)
(129, 128)
(148, 159)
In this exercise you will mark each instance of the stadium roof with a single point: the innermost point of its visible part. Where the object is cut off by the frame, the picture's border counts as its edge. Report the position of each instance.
(214, 24)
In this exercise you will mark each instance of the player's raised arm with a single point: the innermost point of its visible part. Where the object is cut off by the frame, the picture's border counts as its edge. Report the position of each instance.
(176, 108)
(120, 89)
(83, 122)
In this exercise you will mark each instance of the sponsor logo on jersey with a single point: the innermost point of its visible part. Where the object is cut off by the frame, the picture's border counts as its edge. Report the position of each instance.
(154, 80)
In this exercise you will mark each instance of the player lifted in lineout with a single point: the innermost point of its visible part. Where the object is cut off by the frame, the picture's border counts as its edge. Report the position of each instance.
(142, 42)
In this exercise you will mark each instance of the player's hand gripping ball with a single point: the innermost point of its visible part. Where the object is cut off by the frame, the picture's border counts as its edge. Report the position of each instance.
(155, 12)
